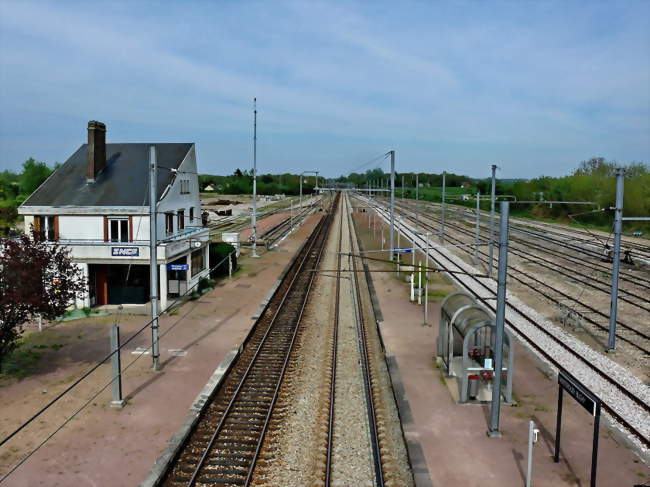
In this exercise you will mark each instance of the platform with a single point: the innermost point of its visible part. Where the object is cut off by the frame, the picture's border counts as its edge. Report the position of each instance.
(452, 437)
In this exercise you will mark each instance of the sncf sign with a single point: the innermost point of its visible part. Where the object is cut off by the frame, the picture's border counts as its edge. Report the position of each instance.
(125, 251)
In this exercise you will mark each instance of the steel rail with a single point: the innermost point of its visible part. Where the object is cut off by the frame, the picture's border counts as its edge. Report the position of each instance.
(643, 248)
(335, 338)
(624, 326)
(288, 355)
(637, 280)
(318, 235)
(272, 235)
(362, 331)
(640, 402)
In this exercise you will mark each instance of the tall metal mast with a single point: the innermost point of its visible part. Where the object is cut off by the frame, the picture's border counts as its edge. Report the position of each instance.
(254, 215)
(153, 258)
(616, 264)
(491, 241)
(392, 203)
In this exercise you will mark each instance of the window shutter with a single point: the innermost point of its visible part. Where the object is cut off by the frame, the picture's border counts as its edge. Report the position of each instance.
(56, 228)
(130, 228)
(37, 224)
(105, 229)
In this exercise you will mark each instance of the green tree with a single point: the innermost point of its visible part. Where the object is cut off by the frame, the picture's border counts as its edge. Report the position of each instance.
(34, 173)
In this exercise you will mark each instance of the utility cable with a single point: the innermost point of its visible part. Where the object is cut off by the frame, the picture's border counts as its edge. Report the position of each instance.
(98, 364)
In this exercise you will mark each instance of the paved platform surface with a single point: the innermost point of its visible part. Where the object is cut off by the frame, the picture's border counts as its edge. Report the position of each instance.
(453, 437)
(104, 446)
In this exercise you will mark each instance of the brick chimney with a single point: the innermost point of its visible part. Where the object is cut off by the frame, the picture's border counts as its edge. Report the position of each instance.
(96, 149)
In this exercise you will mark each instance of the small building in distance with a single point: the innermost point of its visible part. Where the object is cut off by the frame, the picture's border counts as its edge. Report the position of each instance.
(466, 185)
(209, 189)
(97, 205)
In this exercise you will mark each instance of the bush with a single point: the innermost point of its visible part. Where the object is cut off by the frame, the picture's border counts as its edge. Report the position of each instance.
(204, 285)
(218, 253)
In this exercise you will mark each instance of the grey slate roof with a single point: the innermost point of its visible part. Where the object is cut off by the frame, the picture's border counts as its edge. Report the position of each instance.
(123, 182)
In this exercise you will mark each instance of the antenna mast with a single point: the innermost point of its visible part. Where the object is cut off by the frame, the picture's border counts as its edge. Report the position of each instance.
(254, 214)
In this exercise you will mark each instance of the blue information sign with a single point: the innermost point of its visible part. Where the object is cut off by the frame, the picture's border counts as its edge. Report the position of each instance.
(403, 251)
(177, 267)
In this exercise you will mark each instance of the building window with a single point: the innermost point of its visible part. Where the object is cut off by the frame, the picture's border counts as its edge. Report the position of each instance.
(192, 215)
(45, 227)
(181, 220)
(169, 223)
(197, 262)
(118, 229)
(185, 186)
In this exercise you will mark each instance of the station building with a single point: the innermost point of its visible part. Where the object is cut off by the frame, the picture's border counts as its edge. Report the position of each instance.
(97, 205)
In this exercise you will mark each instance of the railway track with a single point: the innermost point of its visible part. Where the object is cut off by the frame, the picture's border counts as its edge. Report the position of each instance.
(553, 294)
(225, 443)
(620, 401)
(276, 233)
(240, 222)
(368, 371)
(592, 259)
(365, 362)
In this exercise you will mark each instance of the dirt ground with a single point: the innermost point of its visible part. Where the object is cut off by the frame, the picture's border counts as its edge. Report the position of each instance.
(453, 437)
(105, 446)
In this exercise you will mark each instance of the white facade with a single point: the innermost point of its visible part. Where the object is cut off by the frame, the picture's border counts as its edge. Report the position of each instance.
(102, 237)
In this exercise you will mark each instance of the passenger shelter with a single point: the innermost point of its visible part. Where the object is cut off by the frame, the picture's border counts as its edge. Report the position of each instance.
(466, 344)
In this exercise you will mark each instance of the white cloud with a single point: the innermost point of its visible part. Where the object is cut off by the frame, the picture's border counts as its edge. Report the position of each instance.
(420, 77)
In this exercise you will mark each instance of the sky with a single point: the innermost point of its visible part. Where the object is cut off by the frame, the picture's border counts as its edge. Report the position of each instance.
(534, 87)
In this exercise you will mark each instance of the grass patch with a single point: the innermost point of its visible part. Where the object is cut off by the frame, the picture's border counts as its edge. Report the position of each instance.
(23, 360)
(437, 294)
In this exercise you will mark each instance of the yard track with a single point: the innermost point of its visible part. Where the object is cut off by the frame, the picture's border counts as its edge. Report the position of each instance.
(590, 251)
(624, 412)
(625, 332)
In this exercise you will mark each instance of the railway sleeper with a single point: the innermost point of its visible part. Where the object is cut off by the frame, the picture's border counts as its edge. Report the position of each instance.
(219, 479)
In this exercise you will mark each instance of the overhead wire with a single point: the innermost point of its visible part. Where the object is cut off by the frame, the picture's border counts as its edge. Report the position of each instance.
(88, 373)
(365, 164)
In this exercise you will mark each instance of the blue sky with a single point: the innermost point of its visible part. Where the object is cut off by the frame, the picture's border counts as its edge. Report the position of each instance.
(535, 87)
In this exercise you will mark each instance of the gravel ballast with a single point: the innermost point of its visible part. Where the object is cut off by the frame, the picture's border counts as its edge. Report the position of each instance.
(551, 340)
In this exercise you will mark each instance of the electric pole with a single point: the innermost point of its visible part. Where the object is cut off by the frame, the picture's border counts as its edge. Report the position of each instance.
(491, 242)
(153, 258)
(392, 204)
(616, 264)
(442, 213)
(254, 215)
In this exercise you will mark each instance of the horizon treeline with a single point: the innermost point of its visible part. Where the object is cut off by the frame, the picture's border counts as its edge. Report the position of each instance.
(593, 180)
